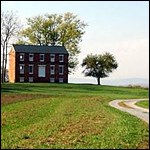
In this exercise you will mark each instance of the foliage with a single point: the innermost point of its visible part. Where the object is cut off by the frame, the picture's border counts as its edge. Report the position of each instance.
(99, 66)
(69, 116)
(53, 29)
(9, 28)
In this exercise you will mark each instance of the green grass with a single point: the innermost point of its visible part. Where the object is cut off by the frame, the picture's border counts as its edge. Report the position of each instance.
(144, 104)
(53, 116)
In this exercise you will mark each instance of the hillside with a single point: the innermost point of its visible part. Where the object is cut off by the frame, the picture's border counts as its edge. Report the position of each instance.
(69, 116)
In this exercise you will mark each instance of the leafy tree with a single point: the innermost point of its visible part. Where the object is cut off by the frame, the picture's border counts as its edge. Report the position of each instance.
(99, 66)
(9, 28)
(50, 29)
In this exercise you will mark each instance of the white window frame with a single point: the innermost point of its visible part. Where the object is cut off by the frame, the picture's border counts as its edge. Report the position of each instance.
(61, 58)
(52, 71)
(21, 70)
(21, 79)
(61, 80)
(61, 66)
(31, 58)
(42, 60)
(29, 69)
(52, 59)
(39, 73)
(52, 80)
(30, 79)
(21, 55)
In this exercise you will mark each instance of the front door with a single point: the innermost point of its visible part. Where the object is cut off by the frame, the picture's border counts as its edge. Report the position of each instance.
(41, 71)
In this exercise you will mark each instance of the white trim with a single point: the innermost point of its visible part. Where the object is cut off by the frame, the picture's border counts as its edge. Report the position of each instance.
(61, 60)
(61, 66)
(21, 79)
(42, 60)
(31, 58)
(30, 79)
(21, 71)
(21, 54)
(52, 71)
(61, 80)
(41, 71)
(52, 80)
(32, 69)
(52, 59)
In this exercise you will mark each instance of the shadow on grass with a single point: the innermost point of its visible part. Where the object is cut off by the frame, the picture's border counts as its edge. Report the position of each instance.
(9, 88)
(56, 89)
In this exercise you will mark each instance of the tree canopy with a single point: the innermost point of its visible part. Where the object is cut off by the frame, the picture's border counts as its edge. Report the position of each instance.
(99, 66)
(55, 29)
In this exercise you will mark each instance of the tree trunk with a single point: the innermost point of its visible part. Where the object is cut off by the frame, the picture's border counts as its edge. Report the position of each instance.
(2, 75)
(5, 63)
(98, 80)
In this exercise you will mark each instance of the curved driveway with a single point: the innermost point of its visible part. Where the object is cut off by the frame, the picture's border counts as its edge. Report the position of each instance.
(137, 111)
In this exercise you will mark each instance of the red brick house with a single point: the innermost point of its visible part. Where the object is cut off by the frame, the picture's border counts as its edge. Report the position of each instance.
(34, 63)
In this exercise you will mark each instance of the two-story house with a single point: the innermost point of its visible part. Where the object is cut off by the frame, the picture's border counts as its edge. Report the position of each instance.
(34, 63)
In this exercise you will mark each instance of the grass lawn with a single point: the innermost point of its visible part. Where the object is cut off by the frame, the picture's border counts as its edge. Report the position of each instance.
(144, 104)
(54, 116)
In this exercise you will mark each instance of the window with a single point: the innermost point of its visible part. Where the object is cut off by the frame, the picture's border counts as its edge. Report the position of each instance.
(41, 57)
(61, 58)
(52, 80)
(21, 56)
(30, 79)
(61, 69)
(21, 68)
(30, 69)
(41, 70)
(52, 69)
(52, 57)
(21, 79)
(61, 80)
(31, 57)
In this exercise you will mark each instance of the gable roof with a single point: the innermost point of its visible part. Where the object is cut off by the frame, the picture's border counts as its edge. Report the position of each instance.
(40, 49)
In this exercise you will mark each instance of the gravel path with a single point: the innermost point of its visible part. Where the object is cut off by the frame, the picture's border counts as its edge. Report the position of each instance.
(137, 111)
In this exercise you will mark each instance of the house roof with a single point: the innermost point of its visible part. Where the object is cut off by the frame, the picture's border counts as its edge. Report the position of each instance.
(40, 49)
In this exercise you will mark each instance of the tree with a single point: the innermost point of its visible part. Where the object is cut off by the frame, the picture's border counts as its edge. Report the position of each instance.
(50, 29)
(9, 28)
(99, 66)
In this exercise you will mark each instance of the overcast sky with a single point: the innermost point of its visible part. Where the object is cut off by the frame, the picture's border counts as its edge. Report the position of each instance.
(121, 28)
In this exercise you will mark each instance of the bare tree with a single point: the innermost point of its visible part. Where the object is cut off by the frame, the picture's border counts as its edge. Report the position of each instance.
(9, 28)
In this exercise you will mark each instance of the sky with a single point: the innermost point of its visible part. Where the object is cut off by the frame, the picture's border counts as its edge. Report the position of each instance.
(120, 28)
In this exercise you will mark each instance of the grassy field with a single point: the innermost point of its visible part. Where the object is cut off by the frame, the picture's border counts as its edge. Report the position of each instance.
(144, 104)
(69, 116)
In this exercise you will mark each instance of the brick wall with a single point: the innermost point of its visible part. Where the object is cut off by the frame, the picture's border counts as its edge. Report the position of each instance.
(12, 63)
(37, 62)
